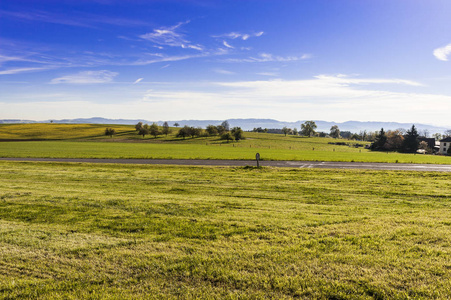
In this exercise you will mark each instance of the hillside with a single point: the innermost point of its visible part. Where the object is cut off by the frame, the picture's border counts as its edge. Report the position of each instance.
(249, 124)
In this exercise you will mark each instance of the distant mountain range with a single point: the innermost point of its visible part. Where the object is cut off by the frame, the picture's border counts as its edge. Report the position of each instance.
(249, 124)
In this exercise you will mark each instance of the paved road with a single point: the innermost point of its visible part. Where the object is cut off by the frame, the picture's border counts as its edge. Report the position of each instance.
(286, 164)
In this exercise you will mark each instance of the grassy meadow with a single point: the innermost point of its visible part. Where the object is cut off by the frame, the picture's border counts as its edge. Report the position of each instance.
(89, 141)
(90, 231)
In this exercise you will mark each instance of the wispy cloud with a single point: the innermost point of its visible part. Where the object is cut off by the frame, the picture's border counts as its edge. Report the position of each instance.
(169, 36)
(43, 16)
(74, 19)
(143, 62)
(443, 52)
(21, 70)
(86, 77)
(226, 72)
(238, 35)
(272, 74)
(227, 45)
(138, 80)
(266, 57)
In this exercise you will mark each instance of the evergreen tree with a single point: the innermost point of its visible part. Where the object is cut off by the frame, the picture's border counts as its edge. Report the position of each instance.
(410, 144)
(380, 140)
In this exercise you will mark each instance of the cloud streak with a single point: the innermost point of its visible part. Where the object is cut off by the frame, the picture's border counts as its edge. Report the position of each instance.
(266, 57)
(74, 19)
(86, 77)
(238, 35)
(169, 36)
(21, 70)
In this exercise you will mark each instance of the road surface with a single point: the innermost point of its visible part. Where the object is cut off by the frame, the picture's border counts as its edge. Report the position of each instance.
(284, 164)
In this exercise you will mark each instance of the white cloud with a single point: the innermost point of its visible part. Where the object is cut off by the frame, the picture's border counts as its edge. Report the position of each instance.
(238, 35)
(339, 98)
(272, 74)
(266, 57)
(227, 45)
(138, 80)
(21, 70)
(221, 71)
(443, 52)
(143, 62)
(168, 36)
(86, 77)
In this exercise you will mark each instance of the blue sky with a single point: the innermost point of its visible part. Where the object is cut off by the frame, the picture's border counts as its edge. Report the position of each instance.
(366, 60)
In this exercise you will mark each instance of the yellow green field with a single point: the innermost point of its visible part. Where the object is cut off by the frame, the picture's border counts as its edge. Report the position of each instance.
(93, 231)
(89, 141)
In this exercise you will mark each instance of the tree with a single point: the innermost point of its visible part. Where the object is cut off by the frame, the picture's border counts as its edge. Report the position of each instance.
(154, 130)
(410, 144)
(379, 141)
(166, 130)
(227, 136)
(237, 133)
(363, 135)
(138, 126)
(176, 124)
(110, 132)
(295, 131)
(184, 132)
(212, 130)
(286, 130)
(308, 128)
(221, 129)
(395, 140)
(144, 130)
(193, 132)
(447, 133)
(335, 132)
(424, 133)
(226, 125)
(437, 136)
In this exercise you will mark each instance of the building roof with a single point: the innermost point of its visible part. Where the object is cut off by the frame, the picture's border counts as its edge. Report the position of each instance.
(448, 139)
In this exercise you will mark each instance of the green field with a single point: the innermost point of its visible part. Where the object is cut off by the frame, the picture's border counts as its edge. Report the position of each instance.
(89, 231)
(88, 141)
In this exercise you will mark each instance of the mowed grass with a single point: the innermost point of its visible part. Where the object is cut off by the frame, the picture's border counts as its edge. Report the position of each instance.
(89, 231)
(89, 141)
(240, 151)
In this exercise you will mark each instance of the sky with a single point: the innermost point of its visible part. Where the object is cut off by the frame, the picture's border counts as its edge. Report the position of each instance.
(341, 60)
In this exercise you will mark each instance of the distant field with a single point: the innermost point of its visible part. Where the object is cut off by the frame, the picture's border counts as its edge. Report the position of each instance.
(88, 141)
(48, 131)
(81, 231)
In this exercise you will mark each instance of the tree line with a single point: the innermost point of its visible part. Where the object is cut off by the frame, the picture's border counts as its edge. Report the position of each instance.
(223, 131)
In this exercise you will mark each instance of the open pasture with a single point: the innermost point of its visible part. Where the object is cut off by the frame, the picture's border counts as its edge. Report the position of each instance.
(89, 141)
(81, 231)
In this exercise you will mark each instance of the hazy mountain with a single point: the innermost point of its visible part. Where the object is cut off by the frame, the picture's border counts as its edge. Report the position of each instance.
(249, 124)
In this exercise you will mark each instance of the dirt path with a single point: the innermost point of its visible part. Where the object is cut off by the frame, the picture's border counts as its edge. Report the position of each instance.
(285, 164)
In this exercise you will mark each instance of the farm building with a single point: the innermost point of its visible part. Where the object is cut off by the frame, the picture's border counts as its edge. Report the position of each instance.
(444, 145)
